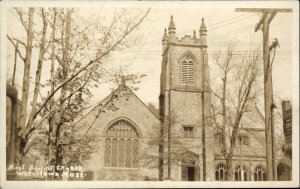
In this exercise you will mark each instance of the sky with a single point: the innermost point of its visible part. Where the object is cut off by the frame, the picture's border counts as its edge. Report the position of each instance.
(222, 22)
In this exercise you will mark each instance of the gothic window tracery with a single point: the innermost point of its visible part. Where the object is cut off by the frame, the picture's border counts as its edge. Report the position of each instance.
(240, 172)
(260, 174)
(221, 172)
(121, 145)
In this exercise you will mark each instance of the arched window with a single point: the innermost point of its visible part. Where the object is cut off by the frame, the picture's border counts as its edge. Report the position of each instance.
(221, 172)
(121, 145)
(260, 174)
(187, 70)
(239, 172)
(284, 172)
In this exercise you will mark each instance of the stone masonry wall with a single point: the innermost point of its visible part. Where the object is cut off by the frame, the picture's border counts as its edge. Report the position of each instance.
(144, 120)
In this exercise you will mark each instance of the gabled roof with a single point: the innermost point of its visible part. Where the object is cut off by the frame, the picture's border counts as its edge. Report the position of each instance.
(130, 91)
(141, 101)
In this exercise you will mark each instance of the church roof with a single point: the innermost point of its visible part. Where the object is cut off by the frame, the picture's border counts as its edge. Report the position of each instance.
(126, 92)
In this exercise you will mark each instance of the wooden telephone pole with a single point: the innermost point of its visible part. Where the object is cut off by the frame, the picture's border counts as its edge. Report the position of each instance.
(267, 17)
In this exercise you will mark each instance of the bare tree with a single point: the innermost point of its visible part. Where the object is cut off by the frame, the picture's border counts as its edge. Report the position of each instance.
(73, 77)
(173, 139)
(237, 94)
(278, 119)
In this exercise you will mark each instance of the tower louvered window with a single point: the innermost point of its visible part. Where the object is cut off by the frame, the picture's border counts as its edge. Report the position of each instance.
(121, 145)
(187, 70)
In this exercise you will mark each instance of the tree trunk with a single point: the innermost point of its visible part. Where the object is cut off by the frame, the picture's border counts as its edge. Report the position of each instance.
(229, 173)
(224, 115)
(52, 85)
(64, 64)
(58, 158)
(25, 86)
(38, 71)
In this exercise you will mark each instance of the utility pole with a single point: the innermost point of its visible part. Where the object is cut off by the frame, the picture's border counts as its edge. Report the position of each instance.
(273, 106)
(267, 17)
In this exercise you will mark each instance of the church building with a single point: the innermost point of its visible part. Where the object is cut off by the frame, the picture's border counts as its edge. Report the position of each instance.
(128, 133)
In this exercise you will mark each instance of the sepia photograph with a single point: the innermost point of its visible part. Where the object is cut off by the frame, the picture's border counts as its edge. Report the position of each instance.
(149, 94)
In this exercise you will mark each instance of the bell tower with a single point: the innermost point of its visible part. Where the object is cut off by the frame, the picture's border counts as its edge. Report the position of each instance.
(185, 98)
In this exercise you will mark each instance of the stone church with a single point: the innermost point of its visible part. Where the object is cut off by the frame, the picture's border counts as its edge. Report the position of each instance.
(184, 107)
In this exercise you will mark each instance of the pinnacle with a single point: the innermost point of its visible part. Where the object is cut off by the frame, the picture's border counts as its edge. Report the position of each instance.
(165, 37)
(194, 35)
(203, 27)
(171, 24)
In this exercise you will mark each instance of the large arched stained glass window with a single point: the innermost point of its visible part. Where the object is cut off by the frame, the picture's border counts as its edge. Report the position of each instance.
(121, 145)
(260, 174)
(187, 70)
(221, 172)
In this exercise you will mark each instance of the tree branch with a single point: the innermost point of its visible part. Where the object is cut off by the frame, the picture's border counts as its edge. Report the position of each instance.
(21, 56)
(216, 95)
(22, 43)
(20, 14)
(91, 62)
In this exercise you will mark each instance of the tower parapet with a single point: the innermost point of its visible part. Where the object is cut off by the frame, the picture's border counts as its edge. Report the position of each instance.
(187, 40)
(191, 40)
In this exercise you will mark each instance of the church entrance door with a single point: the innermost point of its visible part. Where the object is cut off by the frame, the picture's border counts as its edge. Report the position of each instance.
(190, 170)
(191, 174)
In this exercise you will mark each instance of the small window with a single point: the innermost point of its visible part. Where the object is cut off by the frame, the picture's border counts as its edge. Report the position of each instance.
(188, 131)
(242, 140)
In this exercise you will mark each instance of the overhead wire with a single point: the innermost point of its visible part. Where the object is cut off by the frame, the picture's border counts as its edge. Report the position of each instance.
(231, 22)
(222, 22)
(230, 19)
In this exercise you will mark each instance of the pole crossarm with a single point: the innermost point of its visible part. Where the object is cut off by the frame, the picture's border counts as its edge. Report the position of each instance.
(267, 10)
(272, 16)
